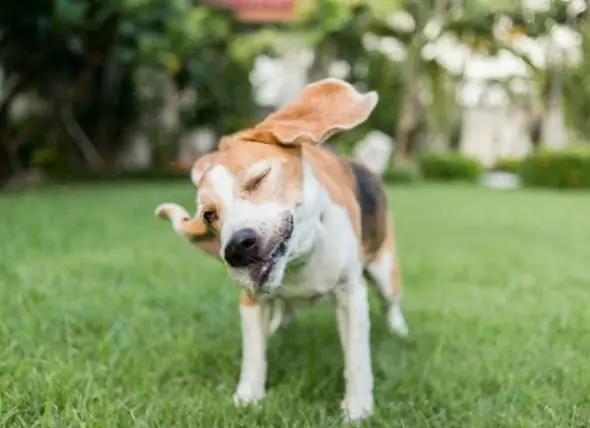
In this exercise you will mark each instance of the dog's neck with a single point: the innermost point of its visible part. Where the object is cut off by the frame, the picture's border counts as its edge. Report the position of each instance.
(309, 215)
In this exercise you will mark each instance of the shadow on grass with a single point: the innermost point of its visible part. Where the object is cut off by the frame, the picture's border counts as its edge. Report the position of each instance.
(306, 358)
(305, 362)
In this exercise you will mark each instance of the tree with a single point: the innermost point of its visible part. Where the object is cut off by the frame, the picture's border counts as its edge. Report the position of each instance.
(474, 24)
(82, 59)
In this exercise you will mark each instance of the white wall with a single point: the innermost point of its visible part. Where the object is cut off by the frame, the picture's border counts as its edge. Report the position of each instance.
(490, 133)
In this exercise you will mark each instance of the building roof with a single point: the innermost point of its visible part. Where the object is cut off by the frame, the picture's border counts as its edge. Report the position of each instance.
(259, 10)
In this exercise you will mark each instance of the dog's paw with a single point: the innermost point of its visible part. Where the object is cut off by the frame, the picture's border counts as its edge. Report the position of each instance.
(396, 321)
(357, 409)
(247, 395)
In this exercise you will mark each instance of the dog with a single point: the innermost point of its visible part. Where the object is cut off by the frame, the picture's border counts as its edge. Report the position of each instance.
(294, 222)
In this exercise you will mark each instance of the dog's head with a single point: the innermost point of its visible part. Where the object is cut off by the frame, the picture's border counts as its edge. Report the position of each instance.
(250, 191)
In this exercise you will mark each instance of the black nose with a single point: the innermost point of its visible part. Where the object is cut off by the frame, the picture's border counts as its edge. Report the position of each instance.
(242, 248)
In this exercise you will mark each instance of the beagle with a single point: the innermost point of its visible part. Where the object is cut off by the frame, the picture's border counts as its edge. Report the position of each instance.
(293, 222)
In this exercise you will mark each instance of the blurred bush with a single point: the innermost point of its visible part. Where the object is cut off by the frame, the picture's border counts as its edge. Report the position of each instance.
(79, 175)
(102, 71)
(397, 174)
(448, 166)
(506, 164)
(565, 169)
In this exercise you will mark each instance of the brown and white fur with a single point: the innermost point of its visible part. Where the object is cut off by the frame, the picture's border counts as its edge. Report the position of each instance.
(294, 222)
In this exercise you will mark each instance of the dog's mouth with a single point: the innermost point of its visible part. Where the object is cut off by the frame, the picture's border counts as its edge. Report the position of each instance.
(260, 270)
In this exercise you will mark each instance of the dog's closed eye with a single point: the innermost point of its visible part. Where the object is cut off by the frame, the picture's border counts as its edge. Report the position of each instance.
(253, 183)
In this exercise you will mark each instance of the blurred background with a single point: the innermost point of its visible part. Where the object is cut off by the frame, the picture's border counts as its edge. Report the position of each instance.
(469, 89)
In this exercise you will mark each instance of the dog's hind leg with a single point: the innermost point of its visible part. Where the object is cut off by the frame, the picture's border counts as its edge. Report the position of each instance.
(283, 315)
(383, 271)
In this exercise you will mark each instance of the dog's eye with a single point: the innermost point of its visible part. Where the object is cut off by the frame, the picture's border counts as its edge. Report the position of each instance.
(210, 215)
(253, 184)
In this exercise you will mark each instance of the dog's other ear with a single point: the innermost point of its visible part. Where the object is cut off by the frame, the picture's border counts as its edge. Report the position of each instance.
(194, 229)
(201, 166)
(320, 111)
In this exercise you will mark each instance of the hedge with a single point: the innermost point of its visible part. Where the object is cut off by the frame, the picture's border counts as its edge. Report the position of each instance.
(86, 176)
(448, 166)
(564, 169)
(507, 165)
(400, 175)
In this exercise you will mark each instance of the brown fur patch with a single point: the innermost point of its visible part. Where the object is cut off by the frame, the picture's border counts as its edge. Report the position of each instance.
(321, 110)
(211, 246)
(246, 300)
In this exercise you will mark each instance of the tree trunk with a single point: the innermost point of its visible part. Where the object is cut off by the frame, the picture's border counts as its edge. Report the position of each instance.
(406, 124)
(553, 126)
(322, 58)
(10, 163)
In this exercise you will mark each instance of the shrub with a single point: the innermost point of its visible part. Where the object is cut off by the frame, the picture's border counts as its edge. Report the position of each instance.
(400, 175)
(88, 176)
(507, 165)
(447, 166)
(557, 169)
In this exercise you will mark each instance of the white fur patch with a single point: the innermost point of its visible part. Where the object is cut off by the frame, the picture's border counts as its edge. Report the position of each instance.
(223, 184)
(254, 322)
(175, 214)
(197, 174)
(257, 169)
(396, 321)
(354, 325)
(381, 273)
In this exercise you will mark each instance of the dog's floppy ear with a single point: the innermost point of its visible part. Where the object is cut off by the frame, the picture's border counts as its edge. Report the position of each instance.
(320, 111)
(194, 229)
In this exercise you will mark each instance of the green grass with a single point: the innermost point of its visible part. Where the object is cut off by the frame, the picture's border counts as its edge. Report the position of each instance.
(110, 320)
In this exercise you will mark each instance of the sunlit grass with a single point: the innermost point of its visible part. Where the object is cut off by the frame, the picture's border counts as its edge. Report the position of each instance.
(109, 320)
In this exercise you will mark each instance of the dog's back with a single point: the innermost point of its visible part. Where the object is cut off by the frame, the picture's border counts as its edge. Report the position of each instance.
(372, 200)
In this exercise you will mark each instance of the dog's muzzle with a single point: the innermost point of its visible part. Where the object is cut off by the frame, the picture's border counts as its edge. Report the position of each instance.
(247, 249)
(243, 248)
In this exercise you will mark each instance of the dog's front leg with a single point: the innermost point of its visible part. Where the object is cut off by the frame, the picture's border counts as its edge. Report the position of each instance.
(255, 320)
(354, 325)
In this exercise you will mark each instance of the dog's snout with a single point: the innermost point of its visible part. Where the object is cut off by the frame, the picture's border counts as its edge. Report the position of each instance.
(242, 248)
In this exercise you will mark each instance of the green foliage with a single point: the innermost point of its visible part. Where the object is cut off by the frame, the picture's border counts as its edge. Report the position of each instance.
(507, 165)
(321, 19)
(564, 169)
(388, 81)
(77, 175)
(449, 166)
(197, 46)
(87, 56)
(396, 174)
(576, 87)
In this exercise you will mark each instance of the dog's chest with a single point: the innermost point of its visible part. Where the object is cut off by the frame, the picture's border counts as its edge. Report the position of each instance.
(307, 284)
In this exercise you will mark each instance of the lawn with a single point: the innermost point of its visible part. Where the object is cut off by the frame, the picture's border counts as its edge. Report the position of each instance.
(110, 320)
